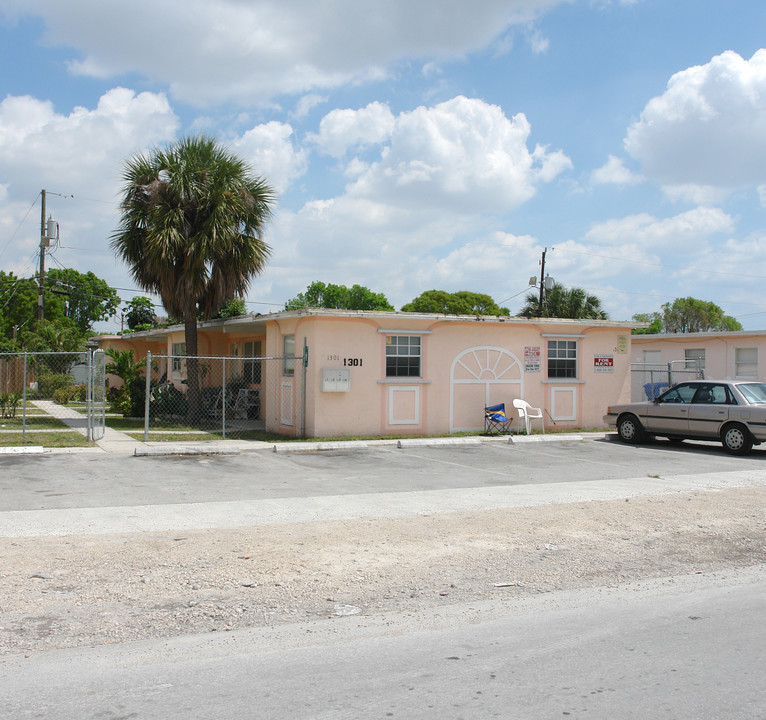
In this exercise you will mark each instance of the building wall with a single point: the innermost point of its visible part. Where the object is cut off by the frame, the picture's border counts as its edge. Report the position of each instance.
(465, 365)
(722, 351)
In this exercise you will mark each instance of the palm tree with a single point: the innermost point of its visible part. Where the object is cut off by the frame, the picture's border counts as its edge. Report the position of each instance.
(193, 217)
(125, 367)
(562, 302)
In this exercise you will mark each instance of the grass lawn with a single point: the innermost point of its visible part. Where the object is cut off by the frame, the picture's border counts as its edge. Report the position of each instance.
(47, 439)
(33, 422)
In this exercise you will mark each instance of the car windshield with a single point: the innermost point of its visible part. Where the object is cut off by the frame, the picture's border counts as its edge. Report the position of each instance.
(755, 393)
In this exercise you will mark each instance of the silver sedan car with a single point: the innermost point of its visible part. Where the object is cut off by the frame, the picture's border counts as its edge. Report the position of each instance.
(730, 411)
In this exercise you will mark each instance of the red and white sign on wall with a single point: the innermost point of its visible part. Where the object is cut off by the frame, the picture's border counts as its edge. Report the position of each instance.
(603, 363)
(531, 359)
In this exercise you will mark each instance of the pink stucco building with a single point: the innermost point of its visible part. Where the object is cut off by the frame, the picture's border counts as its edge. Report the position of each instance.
(383, 373)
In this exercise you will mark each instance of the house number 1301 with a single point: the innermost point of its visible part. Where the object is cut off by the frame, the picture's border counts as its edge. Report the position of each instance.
(352, 362)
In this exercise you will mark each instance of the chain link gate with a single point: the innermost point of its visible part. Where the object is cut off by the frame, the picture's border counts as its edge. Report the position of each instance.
(69, 387)
(650, 379)
(96, 403)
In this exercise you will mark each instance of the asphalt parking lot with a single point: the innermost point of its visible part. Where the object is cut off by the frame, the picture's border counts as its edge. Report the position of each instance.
(90, 481)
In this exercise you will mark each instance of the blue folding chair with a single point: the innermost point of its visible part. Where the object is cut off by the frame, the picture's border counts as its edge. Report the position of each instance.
(495, 420)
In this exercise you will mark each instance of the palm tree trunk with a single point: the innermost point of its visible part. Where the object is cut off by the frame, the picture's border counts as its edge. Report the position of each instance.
(192, 365)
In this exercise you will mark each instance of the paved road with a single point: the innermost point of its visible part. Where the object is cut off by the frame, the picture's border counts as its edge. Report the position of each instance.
(99, 494)
(688, 648)
(35, 482)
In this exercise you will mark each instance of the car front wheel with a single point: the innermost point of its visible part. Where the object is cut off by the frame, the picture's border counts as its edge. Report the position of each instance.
(736, 439)
(629, 429)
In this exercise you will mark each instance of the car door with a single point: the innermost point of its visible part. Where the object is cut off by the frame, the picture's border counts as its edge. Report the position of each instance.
(709, 409)
(669, 415)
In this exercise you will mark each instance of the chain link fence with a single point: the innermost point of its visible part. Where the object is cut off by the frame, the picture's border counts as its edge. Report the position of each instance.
(50, 392)
(649, 380)
(227, 397)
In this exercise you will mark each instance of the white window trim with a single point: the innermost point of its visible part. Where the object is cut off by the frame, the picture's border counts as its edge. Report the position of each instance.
(561, 389)
(403, 378)
(572, 338)
(737, 364)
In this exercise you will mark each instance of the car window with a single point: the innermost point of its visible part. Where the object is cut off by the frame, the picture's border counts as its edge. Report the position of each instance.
(712, 394)
(678, 394)
(754, 393)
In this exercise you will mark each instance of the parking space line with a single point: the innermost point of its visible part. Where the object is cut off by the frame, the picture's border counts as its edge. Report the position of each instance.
(585, 460)
(460, 465)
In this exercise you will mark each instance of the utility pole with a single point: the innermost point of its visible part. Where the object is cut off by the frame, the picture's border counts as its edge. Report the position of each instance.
(41, 277)
(48, 232)
(542, 280)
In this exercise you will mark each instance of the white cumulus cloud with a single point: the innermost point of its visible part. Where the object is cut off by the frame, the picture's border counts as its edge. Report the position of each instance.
(250, 51)
(270, 149)
(708, 128)
(685, 230)
(461, 155)
(614, 172)
(341, 130)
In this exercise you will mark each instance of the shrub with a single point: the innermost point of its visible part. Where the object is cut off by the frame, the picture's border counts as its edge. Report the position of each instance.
(8, 404)
(48, 382)
(73, 393)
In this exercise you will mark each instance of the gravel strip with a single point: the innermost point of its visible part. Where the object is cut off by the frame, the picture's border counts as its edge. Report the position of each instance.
(58, 592)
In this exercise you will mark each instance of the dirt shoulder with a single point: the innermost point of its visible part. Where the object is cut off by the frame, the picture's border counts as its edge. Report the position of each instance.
(58, 592)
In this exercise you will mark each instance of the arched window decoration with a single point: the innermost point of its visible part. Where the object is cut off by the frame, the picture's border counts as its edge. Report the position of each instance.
(480, 376)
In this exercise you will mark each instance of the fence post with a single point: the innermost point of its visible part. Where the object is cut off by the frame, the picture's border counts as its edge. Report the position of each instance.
(89, 398)
(223, 399)
(148, 393)
(24, 403)
(305, 372)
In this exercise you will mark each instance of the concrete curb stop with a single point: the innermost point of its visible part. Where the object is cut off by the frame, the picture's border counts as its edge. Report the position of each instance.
(185, 450)
(22, 450)
(431, 442)
(547, 438)
(305, 447)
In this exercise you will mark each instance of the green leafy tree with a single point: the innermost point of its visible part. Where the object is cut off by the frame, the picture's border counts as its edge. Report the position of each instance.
(54, 336)
(86, 299)
(687, 315)
(82, 298)
(47, 337)
(18, 300)
(193, 218)
(233, 308)
(140, 312)
(462, 302)
(654, 319)
(357, 297)
(562, 302)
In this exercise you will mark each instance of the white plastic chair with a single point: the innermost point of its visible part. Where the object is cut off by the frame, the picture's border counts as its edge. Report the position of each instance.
(529, 413)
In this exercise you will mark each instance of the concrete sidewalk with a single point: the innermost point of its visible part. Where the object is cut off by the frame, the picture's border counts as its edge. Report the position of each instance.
(276, 511)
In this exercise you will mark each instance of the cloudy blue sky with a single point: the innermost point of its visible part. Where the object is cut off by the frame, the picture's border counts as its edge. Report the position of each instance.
(414, 145)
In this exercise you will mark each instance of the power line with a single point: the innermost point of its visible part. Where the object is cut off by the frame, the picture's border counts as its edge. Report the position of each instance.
(23, 220)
